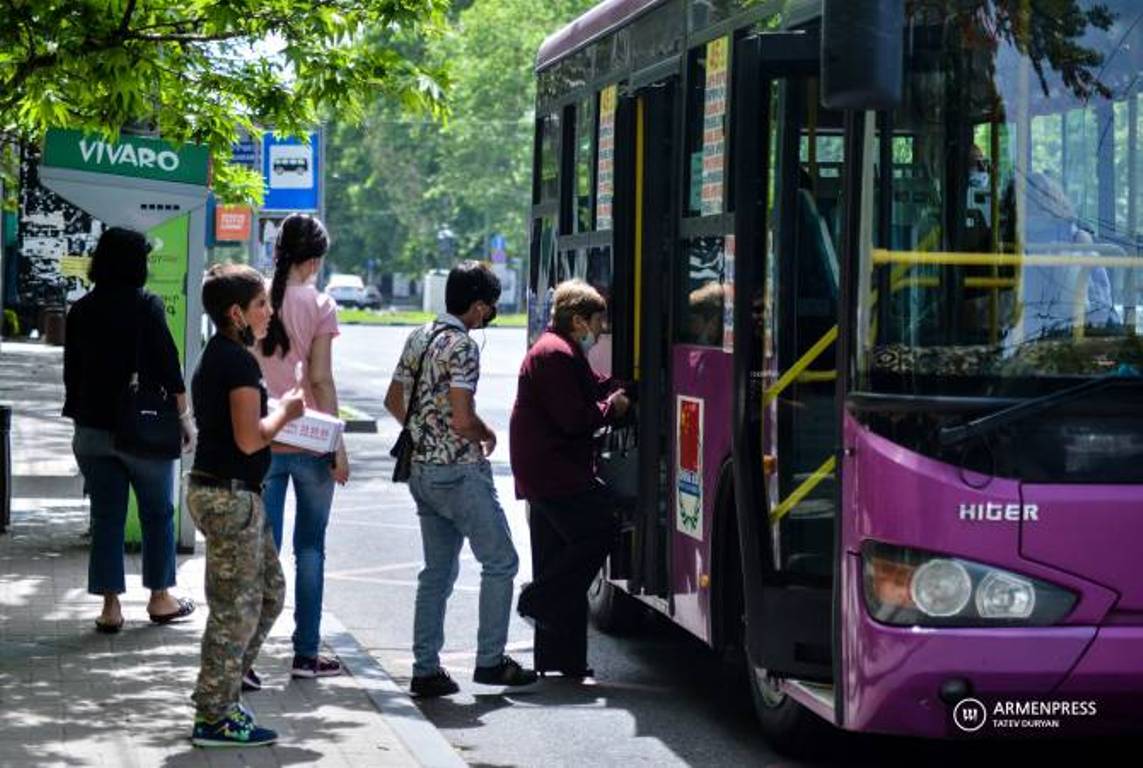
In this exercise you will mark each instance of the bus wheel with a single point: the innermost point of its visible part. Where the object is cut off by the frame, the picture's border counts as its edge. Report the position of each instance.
(612, 610)
(787, 726)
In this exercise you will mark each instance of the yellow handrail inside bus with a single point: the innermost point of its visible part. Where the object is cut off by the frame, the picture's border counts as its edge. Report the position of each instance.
(814, 377)
(638, 230)
(799, 367)
(799, 493)
(990, 282)
(882, 256)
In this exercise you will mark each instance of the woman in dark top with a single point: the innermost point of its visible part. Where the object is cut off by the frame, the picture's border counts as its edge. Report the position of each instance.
(107, 329)
(560, 404)
(245, 587)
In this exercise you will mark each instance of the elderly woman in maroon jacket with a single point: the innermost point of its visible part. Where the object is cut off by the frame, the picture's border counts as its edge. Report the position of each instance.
(560, 404)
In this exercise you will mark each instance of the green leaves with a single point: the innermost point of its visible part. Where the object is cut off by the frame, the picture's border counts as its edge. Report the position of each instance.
(198, 70)
(396, 183)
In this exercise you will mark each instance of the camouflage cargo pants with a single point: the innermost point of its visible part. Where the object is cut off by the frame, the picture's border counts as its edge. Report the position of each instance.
(245, 589)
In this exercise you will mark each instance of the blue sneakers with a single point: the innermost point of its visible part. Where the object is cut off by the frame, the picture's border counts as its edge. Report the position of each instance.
(237, 729)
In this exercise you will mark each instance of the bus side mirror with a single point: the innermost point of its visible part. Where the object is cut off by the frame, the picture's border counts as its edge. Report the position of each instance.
(862, 53)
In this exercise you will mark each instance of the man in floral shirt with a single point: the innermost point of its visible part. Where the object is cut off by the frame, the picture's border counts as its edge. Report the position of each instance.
(451, 482)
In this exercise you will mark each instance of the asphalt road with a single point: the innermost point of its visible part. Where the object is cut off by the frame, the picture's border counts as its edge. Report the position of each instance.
(659, 698)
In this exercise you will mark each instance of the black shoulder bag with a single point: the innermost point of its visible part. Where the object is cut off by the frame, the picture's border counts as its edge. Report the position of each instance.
(147, 419)
(402, 450)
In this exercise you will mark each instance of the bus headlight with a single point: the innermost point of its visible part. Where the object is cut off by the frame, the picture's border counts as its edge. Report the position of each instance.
(909, 587)
(941, 587)
(1004, 596)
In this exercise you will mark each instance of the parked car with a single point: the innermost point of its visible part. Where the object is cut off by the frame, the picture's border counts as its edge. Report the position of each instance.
(346, 290)
(372, 297)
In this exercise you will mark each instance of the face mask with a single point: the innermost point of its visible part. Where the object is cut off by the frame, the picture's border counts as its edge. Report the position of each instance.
(491, 316)
(978, 179)
(587, 342)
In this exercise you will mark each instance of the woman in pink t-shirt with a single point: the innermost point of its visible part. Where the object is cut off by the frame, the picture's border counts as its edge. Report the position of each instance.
(301, 332)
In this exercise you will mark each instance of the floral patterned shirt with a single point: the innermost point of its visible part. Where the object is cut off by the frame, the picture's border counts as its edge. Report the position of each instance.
(453, 360)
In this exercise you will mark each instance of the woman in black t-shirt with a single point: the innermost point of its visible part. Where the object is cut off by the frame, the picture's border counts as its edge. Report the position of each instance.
(116, 330)
(245, 587)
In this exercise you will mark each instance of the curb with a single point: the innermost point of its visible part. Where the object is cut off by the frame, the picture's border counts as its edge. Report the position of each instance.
(424, 742)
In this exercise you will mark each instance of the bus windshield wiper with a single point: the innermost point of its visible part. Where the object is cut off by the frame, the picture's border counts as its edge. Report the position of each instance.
(949, 436)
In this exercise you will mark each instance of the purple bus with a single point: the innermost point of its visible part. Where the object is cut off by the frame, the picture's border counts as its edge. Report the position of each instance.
(876, 270)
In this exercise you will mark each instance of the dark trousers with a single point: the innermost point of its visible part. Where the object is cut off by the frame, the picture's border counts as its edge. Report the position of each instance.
(571, 538)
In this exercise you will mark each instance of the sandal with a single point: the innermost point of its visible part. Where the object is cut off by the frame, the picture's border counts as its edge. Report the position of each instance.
(108, 629)
(186, 608)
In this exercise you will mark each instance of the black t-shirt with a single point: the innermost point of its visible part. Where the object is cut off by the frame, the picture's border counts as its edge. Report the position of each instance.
(111, 331)
(225, 365)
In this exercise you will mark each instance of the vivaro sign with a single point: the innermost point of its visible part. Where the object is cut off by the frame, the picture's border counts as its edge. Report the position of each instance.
(135, 156)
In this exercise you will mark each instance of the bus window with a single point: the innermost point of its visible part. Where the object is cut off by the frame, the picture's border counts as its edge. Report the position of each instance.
(806, 179)
(584, 160)
(549, 161)
(543, 274)
(598, 274)
(1009, 266)
(701, 293)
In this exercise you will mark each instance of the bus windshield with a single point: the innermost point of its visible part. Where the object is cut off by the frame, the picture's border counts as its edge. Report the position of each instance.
(1002, 254)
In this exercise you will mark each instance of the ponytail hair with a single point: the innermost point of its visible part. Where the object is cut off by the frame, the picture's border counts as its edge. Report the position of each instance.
(301, 237)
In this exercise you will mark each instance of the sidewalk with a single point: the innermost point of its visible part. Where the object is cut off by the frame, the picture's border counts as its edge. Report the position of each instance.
(70, 696)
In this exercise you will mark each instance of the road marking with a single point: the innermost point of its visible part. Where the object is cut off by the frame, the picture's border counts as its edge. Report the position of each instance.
(372, 524)
(384, 568)
(395, 582)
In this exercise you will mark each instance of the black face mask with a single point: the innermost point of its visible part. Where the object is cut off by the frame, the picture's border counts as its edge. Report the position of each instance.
(491, 316)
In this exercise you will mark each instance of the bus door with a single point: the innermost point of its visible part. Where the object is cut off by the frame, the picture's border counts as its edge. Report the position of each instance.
(788, 169)
(644, 229)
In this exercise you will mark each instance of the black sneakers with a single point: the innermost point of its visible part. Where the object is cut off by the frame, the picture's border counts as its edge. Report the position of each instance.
(507, 672)
(436, 684)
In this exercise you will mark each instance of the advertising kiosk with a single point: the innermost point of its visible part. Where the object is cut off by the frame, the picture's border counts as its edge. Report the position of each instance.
(161, 190)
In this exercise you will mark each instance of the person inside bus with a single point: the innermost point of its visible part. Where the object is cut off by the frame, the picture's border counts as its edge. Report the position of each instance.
(560, 404)
(1049, 292)
(704, 316)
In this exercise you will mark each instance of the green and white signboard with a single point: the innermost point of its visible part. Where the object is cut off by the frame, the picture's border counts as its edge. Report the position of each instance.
(136, 157)
(159, 189)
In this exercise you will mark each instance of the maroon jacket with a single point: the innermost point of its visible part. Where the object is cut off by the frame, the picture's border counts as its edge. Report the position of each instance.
(560, 403)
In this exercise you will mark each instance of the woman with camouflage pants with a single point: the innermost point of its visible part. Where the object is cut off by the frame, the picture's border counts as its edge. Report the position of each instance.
(245, 587)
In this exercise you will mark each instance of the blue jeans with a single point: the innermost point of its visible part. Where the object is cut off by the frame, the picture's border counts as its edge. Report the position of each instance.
(313, 492)
(455, 502)
(107, 476)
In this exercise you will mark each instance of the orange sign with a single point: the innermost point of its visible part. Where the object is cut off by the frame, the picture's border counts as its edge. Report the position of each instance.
(232, 222)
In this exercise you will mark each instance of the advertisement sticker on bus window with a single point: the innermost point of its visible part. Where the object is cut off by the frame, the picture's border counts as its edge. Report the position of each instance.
(688, 473)
(728, 295)
(714, 126)
(605, 172)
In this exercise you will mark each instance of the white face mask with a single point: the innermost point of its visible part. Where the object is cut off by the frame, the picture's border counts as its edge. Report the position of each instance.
(978, 179)
(587, 342)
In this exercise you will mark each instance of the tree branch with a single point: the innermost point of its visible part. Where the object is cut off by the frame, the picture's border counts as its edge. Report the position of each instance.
(175, 37)
(127, 14)
(178, 25)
